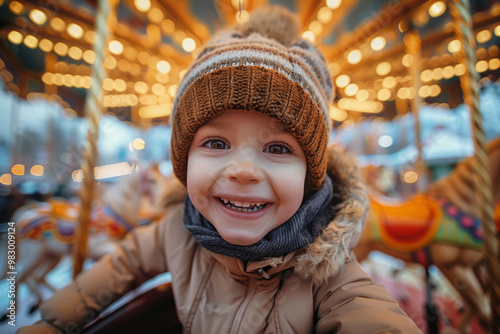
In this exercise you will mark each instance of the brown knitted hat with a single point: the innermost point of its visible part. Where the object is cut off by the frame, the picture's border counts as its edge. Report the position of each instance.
(258, 67)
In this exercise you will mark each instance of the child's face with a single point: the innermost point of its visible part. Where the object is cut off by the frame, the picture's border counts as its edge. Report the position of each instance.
(246, 175)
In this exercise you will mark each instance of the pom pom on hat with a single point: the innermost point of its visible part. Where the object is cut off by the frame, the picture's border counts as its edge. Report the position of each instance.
(273, 22)
(260, 66)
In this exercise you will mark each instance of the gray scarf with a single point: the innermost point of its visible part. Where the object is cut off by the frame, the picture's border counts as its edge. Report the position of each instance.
(299, 231)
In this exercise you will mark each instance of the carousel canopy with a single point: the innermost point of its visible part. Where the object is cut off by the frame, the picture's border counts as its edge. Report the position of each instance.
(48, 51)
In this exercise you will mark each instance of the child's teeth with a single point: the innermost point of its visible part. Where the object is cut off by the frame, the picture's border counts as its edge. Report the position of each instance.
(242, 206)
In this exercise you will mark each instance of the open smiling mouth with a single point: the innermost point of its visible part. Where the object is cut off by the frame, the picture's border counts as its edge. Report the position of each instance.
(242, 206)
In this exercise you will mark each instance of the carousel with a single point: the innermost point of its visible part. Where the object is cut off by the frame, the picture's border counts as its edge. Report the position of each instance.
(87, 87)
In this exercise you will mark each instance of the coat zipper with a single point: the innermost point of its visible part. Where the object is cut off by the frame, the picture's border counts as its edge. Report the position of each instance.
(197, 299)
(238, 318)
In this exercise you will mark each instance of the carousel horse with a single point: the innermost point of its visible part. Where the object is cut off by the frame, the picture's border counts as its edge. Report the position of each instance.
(439, 227)
(46, 230)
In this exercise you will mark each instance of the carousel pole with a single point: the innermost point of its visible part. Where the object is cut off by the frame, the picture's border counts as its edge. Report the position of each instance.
(413, 46)
(460, 11)
(105, 23)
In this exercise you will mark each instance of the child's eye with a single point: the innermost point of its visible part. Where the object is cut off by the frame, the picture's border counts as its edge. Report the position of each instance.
(216, 144)
(276, 149)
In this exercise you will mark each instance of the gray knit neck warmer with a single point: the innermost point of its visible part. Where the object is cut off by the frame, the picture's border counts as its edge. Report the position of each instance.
(299, 231)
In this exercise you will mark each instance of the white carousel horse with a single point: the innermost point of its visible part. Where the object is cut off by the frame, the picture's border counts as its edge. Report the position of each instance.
(439, 227)
(46, 231)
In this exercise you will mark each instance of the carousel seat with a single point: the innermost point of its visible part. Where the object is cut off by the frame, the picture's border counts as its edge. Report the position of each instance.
(151, 312)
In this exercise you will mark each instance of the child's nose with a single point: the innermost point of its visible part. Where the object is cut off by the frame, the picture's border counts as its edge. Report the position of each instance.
(244, 172)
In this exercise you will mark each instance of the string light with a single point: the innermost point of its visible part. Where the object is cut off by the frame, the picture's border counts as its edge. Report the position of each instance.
(15, 37)
(481, 66)
(188, 44)
(38, 17)
(16, 7)
(424, 91)
(426, 75)
(142, 5)
(158, 89)
(437, 9)
(17, 169)
(309, 35)
(337, 114)
(385, 141)
(168, 26)
(360, 106)
(75, 53)
(161, 110)
(454, 46)
(407, 60)
(74, 30)
(448, 72)
(497, 30)
(36, 170)
(46, 45)
(389, 82)
(316, 27)
(459, 69)
(6, 179)
(31, 41)
(342, 80)
(57, 24)
(437, 74)
(494, 64)
(141, 87)
(163, 66)
(354, 56)
(383, 68)
(138, 144)
(324, 15)
(88, 56)
(362, 95)
(435, 90)
(89, 36)
(403, 93)
(483, 36)
(351, 89)
(155, 15)
(333, 4)
(410, 177)
(115, 47)
(384, 94)
(378, 43)
(61, 49)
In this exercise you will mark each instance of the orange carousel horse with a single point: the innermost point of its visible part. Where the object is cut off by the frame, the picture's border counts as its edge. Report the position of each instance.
(439, 227)
(46, 231)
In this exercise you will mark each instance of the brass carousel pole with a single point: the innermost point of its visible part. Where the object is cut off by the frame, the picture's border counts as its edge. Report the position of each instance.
(460, 11)
(413, 46)
(105, 23)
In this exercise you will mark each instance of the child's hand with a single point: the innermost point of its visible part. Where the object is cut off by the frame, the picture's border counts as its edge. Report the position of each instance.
(40, 327)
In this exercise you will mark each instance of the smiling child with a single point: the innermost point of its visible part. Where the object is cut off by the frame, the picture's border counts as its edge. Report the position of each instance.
(262, 241)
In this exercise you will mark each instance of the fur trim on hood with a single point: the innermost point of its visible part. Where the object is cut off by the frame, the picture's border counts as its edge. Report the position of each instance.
(325, 257)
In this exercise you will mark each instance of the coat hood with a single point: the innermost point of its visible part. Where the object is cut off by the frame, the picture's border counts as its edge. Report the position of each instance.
(324, 258)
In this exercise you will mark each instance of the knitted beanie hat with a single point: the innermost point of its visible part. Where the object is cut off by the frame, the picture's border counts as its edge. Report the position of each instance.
(259, 66)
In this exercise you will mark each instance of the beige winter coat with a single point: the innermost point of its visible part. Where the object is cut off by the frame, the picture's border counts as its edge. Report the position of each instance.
(314, 290)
